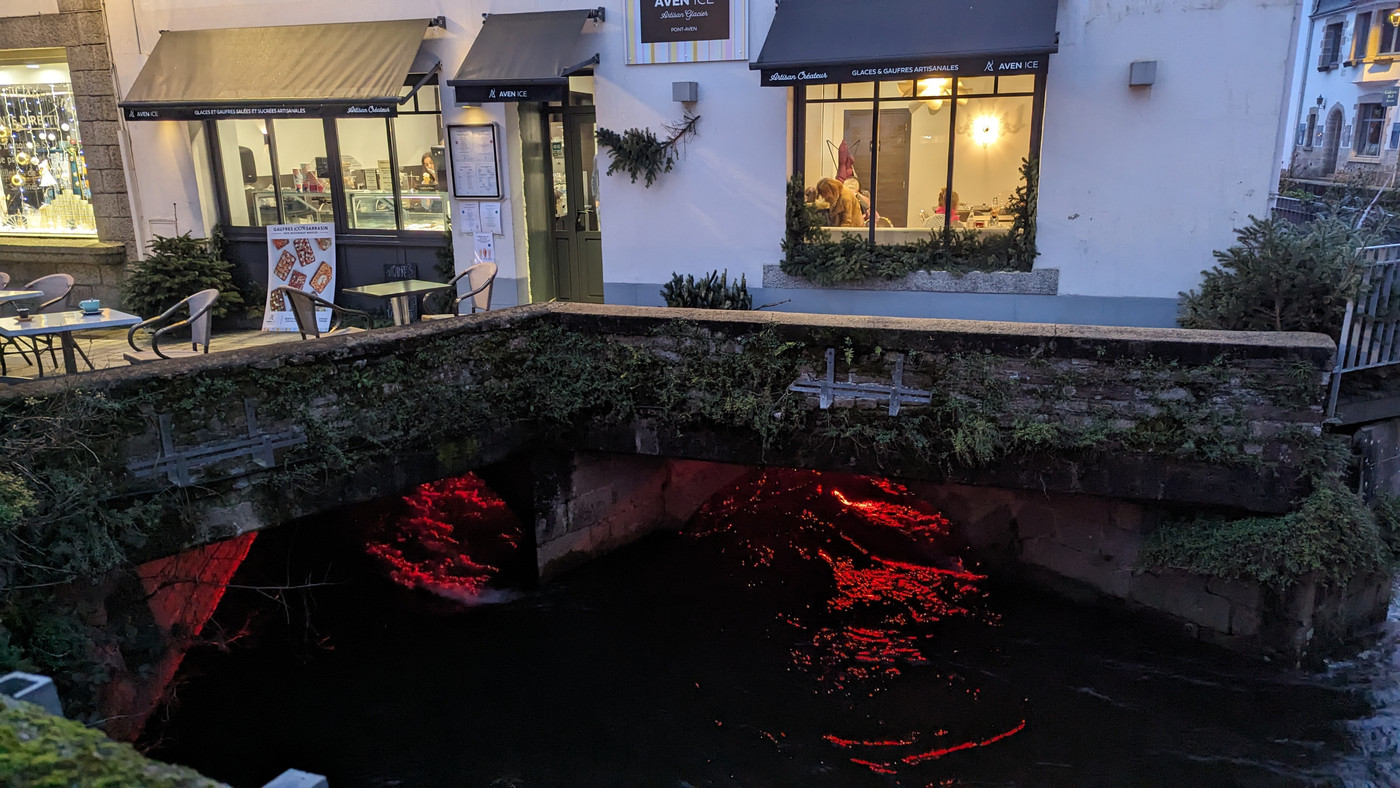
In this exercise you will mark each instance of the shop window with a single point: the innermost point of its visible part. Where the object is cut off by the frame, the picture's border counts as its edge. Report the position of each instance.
(391, 171)
(245, 153)
(1361, 36)
(42, 169)
(303, 171)
(423, 168)
(1370, 124)
(1394, 143)
(898, 187)
(1389, 33)
(367, 172)
(1331, 46)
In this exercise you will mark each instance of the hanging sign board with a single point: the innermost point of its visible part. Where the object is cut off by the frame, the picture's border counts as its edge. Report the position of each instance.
(1390, 97)
(174, 112)
(686, 31)
(487, 93)
(300, 256)
(889, 72)
(475, 173)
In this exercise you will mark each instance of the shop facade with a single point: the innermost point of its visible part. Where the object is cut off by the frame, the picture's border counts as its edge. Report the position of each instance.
(65, 204)
(1140, 177)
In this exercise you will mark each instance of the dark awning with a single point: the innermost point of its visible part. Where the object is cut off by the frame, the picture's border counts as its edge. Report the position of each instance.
(816, 41)
(526, 57)
(354, 68)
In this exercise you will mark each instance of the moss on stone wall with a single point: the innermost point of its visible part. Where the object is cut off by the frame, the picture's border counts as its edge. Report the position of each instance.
(39, 750)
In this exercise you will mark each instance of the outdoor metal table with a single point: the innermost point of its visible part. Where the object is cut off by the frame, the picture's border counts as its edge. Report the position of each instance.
(64, 324)
(399, 295)
(16, 295)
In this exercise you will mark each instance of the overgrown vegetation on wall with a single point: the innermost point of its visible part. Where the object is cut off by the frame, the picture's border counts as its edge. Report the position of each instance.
(809, 252)
(69, 510)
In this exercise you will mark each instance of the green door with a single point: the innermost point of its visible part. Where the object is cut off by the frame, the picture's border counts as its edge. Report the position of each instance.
(576, 233)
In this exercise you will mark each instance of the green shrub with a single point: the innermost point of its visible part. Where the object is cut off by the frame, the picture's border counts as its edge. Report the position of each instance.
(714, 291)
(178, 267)
(1281, 277)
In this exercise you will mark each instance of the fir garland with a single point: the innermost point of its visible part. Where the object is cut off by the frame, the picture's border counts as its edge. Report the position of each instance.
(639, 152)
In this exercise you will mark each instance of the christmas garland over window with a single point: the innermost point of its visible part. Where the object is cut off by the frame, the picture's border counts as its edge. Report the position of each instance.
(640, 153)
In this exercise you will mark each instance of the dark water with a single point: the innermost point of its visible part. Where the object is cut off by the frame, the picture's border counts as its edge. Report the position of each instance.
(806, 630)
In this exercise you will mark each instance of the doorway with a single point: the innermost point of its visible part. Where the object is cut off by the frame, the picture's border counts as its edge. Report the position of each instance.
(1331, 141)
(576, 236)
(891, 184)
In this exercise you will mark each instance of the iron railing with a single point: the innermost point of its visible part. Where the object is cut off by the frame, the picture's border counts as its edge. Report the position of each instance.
(1371, 329)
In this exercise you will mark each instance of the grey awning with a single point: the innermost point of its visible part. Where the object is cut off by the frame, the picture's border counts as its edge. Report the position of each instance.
(297, 70)
(526, 57)
(816, 41)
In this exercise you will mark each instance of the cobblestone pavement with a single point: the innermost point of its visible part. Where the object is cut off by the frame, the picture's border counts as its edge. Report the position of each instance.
(105, 348)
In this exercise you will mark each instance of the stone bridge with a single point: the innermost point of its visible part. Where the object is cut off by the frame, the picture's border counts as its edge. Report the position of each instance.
(1056, 449)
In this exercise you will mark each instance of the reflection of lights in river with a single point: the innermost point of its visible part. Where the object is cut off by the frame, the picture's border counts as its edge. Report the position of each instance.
(444, 539)
(893, 582)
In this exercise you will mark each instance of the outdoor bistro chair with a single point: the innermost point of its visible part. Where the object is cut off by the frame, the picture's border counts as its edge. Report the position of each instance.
(55, 289)
(480, 278)
(304, 306)
(199, 305)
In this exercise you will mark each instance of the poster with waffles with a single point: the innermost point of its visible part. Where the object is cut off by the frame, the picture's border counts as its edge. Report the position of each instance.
(299, 257)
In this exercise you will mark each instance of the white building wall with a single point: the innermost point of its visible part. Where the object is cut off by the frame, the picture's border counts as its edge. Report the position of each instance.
(1138, 185)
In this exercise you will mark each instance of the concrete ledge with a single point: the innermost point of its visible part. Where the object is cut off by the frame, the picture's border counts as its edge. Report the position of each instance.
(1042, 281)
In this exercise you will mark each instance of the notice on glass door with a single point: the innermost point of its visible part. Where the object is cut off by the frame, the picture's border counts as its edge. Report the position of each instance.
(475, 174)
(300, 257)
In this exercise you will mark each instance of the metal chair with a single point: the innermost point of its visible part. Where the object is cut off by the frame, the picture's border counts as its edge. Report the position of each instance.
(199, 306)
(55, 289)
(304, 306)
(480, 278)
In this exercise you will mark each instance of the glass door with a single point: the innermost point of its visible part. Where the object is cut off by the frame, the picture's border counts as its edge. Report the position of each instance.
(576, 226)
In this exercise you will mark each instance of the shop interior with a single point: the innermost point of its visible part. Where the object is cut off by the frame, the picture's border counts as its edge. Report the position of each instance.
(42, 169)
(392, 171)
(979, 128)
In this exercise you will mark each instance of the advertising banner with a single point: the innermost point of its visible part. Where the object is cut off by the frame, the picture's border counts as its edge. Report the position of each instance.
(300, 256)
(686, 31)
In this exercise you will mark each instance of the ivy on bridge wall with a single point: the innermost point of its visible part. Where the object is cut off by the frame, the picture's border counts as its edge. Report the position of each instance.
(1002, 403)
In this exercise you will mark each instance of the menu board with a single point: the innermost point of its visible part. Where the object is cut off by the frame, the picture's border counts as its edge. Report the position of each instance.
(475, 174)
(300, 256)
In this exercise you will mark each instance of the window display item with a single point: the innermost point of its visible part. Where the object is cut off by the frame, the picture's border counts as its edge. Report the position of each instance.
(46, 191)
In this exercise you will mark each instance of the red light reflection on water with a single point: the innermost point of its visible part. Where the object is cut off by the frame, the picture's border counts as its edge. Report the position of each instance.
(442, 539)
(894, 577)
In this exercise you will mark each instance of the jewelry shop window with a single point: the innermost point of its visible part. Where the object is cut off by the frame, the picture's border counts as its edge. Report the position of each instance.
(42, 170)
(899, 160)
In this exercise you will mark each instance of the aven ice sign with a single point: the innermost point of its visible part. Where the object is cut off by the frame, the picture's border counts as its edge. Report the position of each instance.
(664, 21)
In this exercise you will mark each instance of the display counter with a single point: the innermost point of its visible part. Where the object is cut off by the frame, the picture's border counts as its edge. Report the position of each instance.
(369, 210)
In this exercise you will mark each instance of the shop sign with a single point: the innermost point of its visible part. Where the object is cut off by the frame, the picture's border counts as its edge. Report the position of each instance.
(965, 67)
(1390, 97)
(683, 20)
(686, 31)
(261, 111)
(302, 257)
(487, 93)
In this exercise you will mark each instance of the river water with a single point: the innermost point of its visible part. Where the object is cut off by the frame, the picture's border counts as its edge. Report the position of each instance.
(804, 630)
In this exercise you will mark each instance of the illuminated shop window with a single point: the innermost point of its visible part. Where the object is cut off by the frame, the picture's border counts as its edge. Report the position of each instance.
(42, 169)
(972, 132)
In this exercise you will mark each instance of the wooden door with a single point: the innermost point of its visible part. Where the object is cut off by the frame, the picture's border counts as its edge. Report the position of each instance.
(890, 187)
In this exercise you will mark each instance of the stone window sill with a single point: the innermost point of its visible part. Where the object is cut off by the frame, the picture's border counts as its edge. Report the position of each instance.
(1041, 281)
